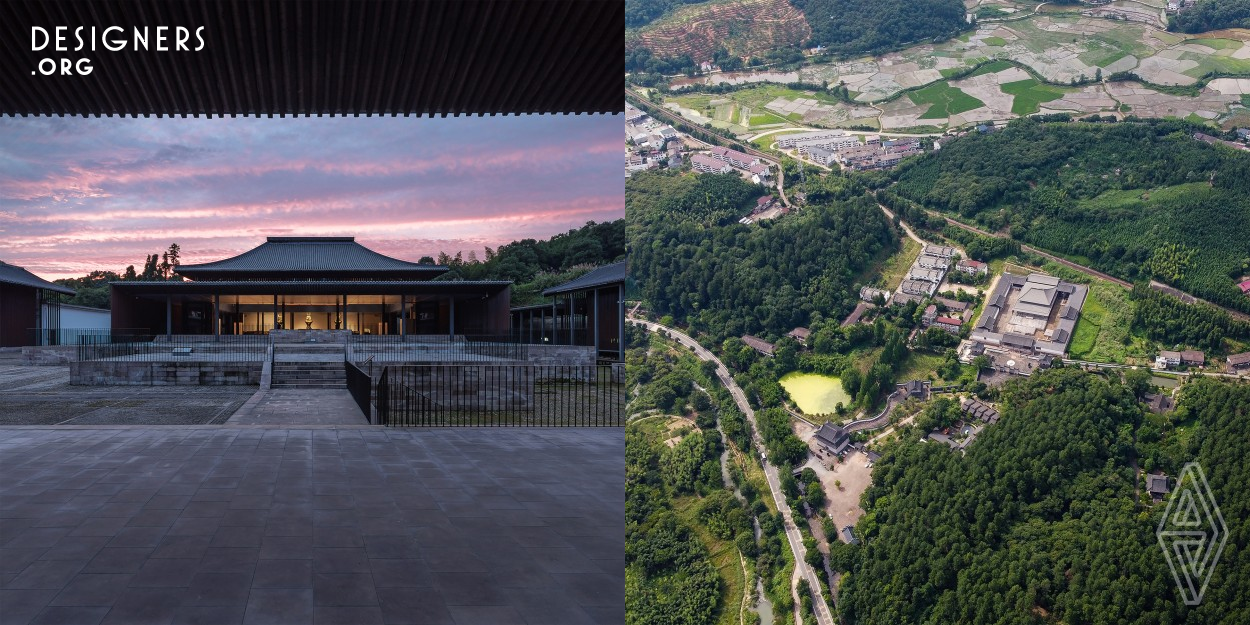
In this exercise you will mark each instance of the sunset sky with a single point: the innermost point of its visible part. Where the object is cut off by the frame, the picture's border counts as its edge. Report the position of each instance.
(83, 194)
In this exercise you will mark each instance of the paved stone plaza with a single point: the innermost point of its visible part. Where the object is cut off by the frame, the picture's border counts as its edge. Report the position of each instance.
(224, 525)
(310, 406)
(44, 396)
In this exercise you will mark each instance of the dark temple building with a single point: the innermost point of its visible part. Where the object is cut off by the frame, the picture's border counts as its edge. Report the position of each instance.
(589, 310)
(29, 306)
(312, 283)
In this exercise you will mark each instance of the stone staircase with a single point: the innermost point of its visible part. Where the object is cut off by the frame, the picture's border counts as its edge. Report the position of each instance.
(309, 365)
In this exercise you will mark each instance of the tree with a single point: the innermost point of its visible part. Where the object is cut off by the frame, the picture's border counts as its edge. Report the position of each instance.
(1138, 380)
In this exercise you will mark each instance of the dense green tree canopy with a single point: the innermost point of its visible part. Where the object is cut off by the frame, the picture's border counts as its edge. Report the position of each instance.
(873, 26)
(1042, 521)
(1212, 15)
(1136, 199)
(692, 260)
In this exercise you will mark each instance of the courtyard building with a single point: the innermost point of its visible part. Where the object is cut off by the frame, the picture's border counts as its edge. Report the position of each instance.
(312, 283)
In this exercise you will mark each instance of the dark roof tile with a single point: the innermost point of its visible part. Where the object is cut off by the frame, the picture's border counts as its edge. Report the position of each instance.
(12, 274)
(605, 275)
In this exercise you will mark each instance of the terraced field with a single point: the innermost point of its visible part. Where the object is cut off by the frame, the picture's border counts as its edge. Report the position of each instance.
(1060, 45)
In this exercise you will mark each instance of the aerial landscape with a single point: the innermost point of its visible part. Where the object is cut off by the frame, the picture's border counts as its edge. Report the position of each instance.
(935, 306)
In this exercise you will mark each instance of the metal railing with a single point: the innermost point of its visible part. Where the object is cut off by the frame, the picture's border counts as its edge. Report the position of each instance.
(435, 348)
(360, 385)
(551, 336)
(172, 348)
(73, 336)
(489, 395)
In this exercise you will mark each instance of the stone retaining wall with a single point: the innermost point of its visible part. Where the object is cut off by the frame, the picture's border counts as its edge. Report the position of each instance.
(309, 336)
(49, 354)
(561, 355)
(109, 373)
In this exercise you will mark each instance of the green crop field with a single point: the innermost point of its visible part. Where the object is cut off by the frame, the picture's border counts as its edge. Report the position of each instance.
(945, 100)
(1217, 44)
(761, 119)
(1102, 57)
(995, 41)
(991, 68)
(1030, 94)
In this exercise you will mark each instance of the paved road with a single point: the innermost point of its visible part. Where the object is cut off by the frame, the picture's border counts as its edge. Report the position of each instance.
(770, 472)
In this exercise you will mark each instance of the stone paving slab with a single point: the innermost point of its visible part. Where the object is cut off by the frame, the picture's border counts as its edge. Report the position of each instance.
(43, 396)
(300, 406)
(232, 525)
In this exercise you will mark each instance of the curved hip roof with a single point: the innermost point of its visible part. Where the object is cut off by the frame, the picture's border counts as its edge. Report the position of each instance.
(316, 258)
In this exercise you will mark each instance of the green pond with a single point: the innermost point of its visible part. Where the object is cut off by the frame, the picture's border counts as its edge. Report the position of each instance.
(815, 394)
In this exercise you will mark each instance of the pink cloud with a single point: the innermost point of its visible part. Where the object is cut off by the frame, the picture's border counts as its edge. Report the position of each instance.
(100, 194)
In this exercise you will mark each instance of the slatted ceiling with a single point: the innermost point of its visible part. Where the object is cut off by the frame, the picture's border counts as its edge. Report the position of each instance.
(328, 57)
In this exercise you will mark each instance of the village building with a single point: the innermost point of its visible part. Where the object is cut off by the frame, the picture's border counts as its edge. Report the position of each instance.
(1158, 486)
(800, 334)
(930, 313)
(1239, 362)
(1167, 359)
(973, 267)
(868, 294)
(758, 344)
(707, 165)
(949, 324)
(734, 157)
(953, 304)
(918, 389)
(977, 409)
(832, 438)
(821, 156)
(921, 288)
(848, 535)
(941, 251)
(920, 273)
(1193, 358)
(928, 261)
(793, 140)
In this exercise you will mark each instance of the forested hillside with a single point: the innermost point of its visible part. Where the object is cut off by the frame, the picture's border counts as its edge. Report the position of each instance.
(643, 12)
(1039, 522)
(1212, 15)
(692, 260)
(1137, 200)
(536, 265)
(874, 26)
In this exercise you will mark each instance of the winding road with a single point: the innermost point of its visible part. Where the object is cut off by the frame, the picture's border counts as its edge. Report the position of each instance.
(801, 568)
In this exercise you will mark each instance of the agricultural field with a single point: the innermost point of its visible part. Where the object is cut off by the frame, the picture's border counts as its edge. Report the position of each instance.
(928, 85)
(944, 100)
